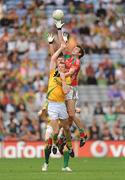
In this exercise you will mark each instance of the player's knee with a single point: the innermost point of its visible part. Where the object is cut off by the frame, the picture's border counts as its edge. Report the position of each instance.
(71, 116)
(65, 149)
(49, 132)
(71, 113)
(55, 126)
(70, 123)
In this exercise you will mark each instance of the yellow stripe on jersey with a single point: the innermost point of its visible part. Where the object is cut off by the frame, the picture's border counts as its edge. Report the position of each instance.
(55, 92)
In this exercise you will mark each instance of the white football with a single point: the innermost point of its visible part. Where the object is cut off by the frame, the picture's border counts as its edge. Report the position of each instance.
(58, 14)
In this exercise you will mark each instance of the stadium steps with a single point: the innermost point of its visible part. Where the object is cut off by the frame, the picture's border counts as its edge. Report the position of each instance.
(93, 94)
(13, 3)
(122, 118)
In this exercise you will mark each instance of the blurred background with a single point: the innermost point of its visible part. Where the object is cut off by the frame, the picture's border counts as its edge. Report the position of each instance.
(99, 26)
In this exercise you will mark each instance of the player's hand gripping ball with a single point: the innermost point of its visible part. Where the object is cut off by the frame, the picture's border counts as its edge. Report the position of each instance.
(58, 14)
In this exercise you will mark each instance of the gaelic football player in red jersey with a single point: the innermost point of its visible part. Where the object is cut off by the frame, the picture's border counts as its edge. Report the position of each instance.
(72, 61)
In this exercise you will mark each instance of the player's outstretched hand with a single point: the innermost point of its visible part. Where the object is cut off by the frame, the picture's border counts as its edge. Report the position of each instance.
(59, 24)
(50, 38)
(63, 45)
(65, 37)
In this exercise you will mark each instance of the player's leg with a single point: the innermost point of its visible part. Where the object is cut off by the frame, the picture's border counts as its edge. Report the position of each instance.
(63, 116)
(53, 112)
(64, 136)
(51, 132)
(72, 118)
(48, 136)
(70, 103)
(83, 135)
(67, 134)
(43, 112)
(61, 140)
(54, 124)
(48, 146)
(66, 160)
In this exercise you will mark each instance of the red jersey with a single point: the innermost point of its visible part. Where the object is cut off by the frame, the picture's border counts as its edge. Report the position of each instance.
(71, 62)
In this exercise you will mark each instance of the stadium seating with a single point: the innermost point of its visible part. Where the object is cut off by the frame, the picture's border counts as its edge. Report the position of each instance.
(21, 71)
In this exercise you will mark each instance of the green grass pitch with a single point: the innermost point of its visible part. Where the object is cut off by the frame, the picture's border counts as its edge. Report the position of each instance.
(83, 169)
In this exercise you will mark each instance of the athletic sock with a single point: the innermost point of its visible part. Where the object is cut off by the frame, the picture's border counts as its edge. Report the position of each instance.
(47, 154)
(55, 138)
(68, 140)
(50, 142)
(61, 139)
(82, 133)
(61, 132)
(66, 158)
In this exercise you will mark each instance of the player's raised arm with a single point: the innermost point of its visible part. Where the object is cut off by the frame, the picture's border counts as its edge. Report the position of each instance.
(70, 72)
(55, 56)
(59, 26)
(50, 39)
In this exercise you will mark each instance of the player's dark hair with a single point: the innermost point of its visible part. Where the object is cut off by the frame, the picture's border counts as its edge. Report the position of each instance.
(60, 55)
(81, 51)
(62, 63)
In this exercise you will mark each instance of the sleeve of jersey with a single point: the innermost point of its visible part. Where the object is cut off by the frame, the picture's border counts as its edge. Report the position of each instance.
(52, 73)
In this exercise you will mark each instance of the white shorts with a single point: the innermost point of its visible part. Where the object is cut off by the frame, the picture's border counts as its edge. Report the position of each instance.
(57, 111)
(72, 94)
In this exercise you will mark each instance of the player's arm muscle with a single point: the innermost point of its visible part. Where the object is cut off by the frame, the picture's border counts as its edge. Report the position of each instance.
(51, 49)
(54, 57)
(65, 87)
(60, 36)
(70, 72)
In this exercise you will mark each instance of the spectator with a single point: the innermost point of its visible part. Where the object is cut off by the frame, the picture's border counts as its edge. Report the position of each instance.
(114, 93)
(120, 74)
(40, 97)
(6, 36)
(117, 131)
(29, 130)
(86, 114)
(110, 116)
(98, 109)
(12, 128)
(106, 134)
(30, 104)
(2, 128)
(100, 76)
(109, 107)
(21, 10)
(94, 131)
(110, 72)
(123, 93)
(3, 9)
(91, 80)
(21, 110)
(22, 45)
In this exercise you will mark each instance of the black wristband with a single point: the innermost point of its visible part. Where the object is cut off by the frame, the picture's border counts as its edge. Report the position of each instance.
(59, 29)
(50, 42)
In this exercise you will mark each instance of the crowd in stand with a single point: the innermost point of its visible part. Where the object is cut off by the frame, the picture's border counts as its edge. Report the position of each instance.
(24, 60)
